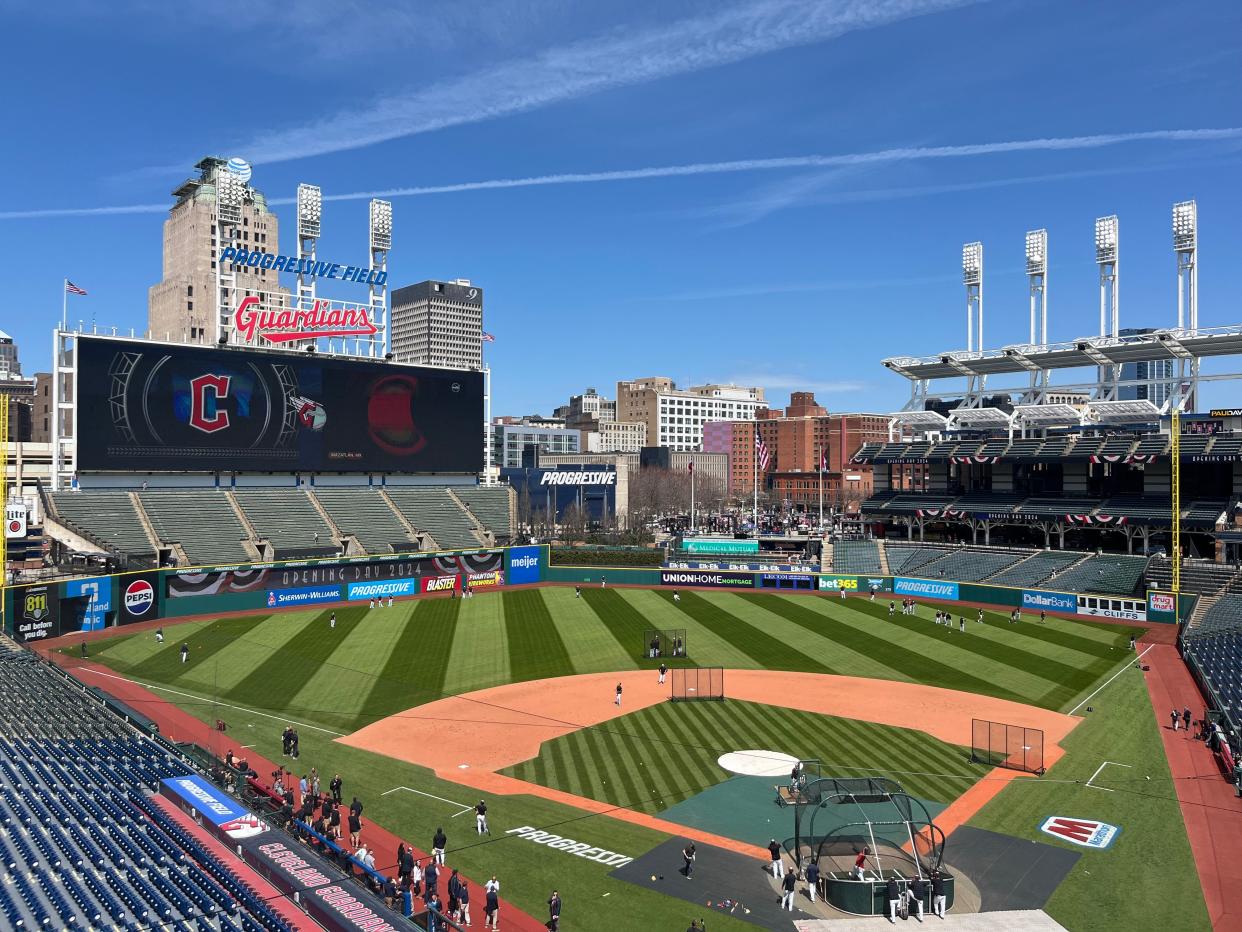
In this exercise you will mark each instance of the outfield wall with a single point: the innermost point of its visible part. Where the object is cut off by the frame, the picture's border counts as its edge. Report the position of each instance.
(35, 612)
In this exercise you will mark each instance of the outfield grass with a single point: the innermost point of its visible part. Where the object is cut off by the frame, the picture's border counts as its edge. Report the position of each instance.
(654, 758)
(1147, 878)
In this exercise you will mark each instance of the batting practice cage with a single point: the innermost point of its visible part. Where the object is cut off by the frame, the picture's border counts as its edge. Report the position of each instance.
(664, 642)
(999, 745)
(690, 683)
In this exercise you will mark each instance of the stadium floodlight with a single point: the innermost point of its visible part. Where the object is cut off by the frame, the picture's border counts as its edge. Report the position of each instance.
(310, 210)
(1185, 226)
(381, 224)
(1106, 239)
(230, 195)
(972, 263)
(1036, 252)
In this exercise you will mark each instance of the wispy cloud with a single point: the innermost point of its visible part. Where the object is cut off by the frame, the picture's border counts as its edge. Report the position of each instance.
(792, 382)
(588, 67)
(875, 157)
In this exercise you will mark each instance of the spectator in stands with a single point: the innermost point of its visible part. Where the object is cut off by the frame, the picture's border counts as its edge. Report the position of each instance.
(435, 908)
(228, 758)
(390, 892)
(438, 843)
(368, 861)
(407, 898)
(334, 823)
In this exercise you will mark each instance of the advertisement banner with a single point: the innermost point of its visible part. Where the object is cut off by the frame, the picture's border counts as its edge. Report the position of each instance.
(139, 598)
(305, 595)
(1099, 606)
(36, 611)
(146, 406)
(440, 584)
(396, 588)
(333, 903)
(485, 580)
(926, 588)
(698, 578)
(1162, 607)
(719, 545)
(326, 573)
(1033, 600)
(837, 583)
(524, 565)
(212, 803)
(96, 594)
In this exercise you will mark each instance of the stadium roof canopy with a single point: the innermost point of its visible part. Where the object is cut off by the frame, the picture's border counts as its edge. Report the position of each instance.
(1137, 411)
(1047, 415)
(923, 420)
(1075, 354)
(981, 417)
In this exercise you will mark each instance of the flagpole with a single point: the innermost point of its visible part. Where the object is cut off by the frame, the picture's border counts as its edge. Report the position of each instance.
(692, 495)
(756, 455)
(821, 492)
(64, 305)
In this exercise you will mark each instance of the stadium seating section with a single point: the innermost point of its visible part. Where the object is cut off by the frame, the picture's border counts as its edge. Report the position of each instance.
(970, 565)
(434, 511)
(1219, 657)
(1106, 573)
(82, 844)
(109, 519)
(201, 520)
(907, 559)
(1035, 569)
(215, 525)
(286, 518)
(856, 556)
(1224, 615)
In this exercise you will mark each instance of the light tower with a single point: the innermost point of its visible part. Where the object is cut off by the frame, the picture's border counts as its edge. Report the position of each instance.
(1037, 276)
(230, 195)
(310, 212)
(972, 278)
(380, 243)
(1186, 245)
(1106, 257)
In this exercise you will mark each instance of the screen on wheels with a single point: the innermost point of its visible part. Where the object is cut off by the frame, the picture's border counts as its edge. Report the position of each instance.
(147, 406)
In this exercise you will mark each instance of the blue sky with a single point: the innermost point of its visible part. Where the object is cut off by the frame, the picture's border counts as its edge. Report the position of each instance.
(769, 191)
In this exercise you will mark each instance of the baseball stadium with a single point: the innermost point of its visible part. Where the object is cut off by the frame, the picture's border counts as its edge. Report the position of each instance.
(275, 574)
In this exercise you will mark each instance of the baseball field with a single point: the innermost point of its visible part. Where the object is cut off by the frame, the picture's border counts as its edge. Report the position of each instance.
(425, 706)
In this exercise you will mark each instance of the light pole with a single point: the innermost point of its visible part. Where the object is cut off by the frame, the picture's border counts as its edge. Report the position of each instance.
(1186, 246)
(1037, 276)
(310, 210)
(1107, 258)
(377, 294)
(230, 195)
(972, 278)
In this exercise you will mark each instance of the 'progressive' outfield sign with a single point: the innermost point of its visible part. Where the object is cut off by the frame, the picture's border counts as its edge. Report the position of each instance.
(927, 588)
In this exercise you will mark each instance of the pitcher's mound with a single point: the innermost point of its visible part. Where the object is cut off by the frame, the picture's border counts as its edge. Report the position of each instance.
(757, 763)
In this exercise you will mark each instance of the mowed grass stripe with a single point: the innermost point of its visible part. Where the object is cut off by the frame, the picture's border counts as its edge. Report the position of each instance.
(536, 650)
(766, 650)
(704, 646)
(165, 664)
(909, 662)
(415, 670)
(1053, 632)
(596, 647)
(480, 652)
(818, 644)
(1004, 664)
(626, 623)
(282, 674)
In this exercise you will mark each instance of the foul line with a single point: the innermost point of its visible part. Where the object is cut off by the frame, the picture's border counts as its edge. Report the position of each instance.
(1097, 773)
(409, 789)
(175, 692)
(1111, 678)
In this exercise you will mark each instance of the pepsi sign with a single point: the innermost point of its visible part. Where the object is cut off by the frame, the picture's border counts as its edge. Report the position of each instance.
(139, 597)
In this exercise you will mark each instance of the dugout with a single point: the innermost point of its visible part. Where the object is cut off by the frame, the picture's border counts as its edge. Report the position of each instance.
(664, 643)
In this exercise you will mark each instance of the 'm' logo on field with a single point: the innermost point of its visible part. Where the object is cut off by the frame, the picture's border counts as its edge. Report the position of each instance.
(139, 597)
(1086, 832)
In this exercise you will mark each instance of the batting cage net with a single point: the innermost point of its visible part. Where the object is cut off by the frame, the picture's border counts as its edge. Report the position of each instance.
(664, 642)
(997, 744)
(691, 683)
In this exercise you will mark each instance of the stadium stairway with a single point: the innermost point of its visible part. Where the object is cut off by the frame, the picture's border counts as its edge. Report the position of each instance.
(1202, 607)
(178, 725)
(242, 517)
(478, 530)
(825, 556)
(884, 559)
(429, 543)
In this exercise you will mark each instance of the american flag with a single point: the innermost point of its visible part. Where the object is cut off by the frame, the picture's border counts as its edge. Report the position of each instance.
(823, 461)
(488, 338)
(761, 449)
(71, 288)
(691, 467)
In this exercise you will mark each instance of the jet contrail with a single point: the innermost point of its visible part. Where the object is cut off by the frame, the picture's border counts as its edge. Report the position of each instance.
(880, 156)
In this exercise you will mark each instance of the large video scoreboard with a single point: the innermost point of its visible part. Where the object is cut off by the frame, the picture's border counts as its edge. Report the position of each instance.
(149, 406)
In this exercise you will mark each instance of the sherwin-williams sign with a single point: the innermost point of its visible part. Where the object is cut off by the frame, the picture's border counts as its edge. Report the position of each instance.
(927, 588)
(719, 545)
